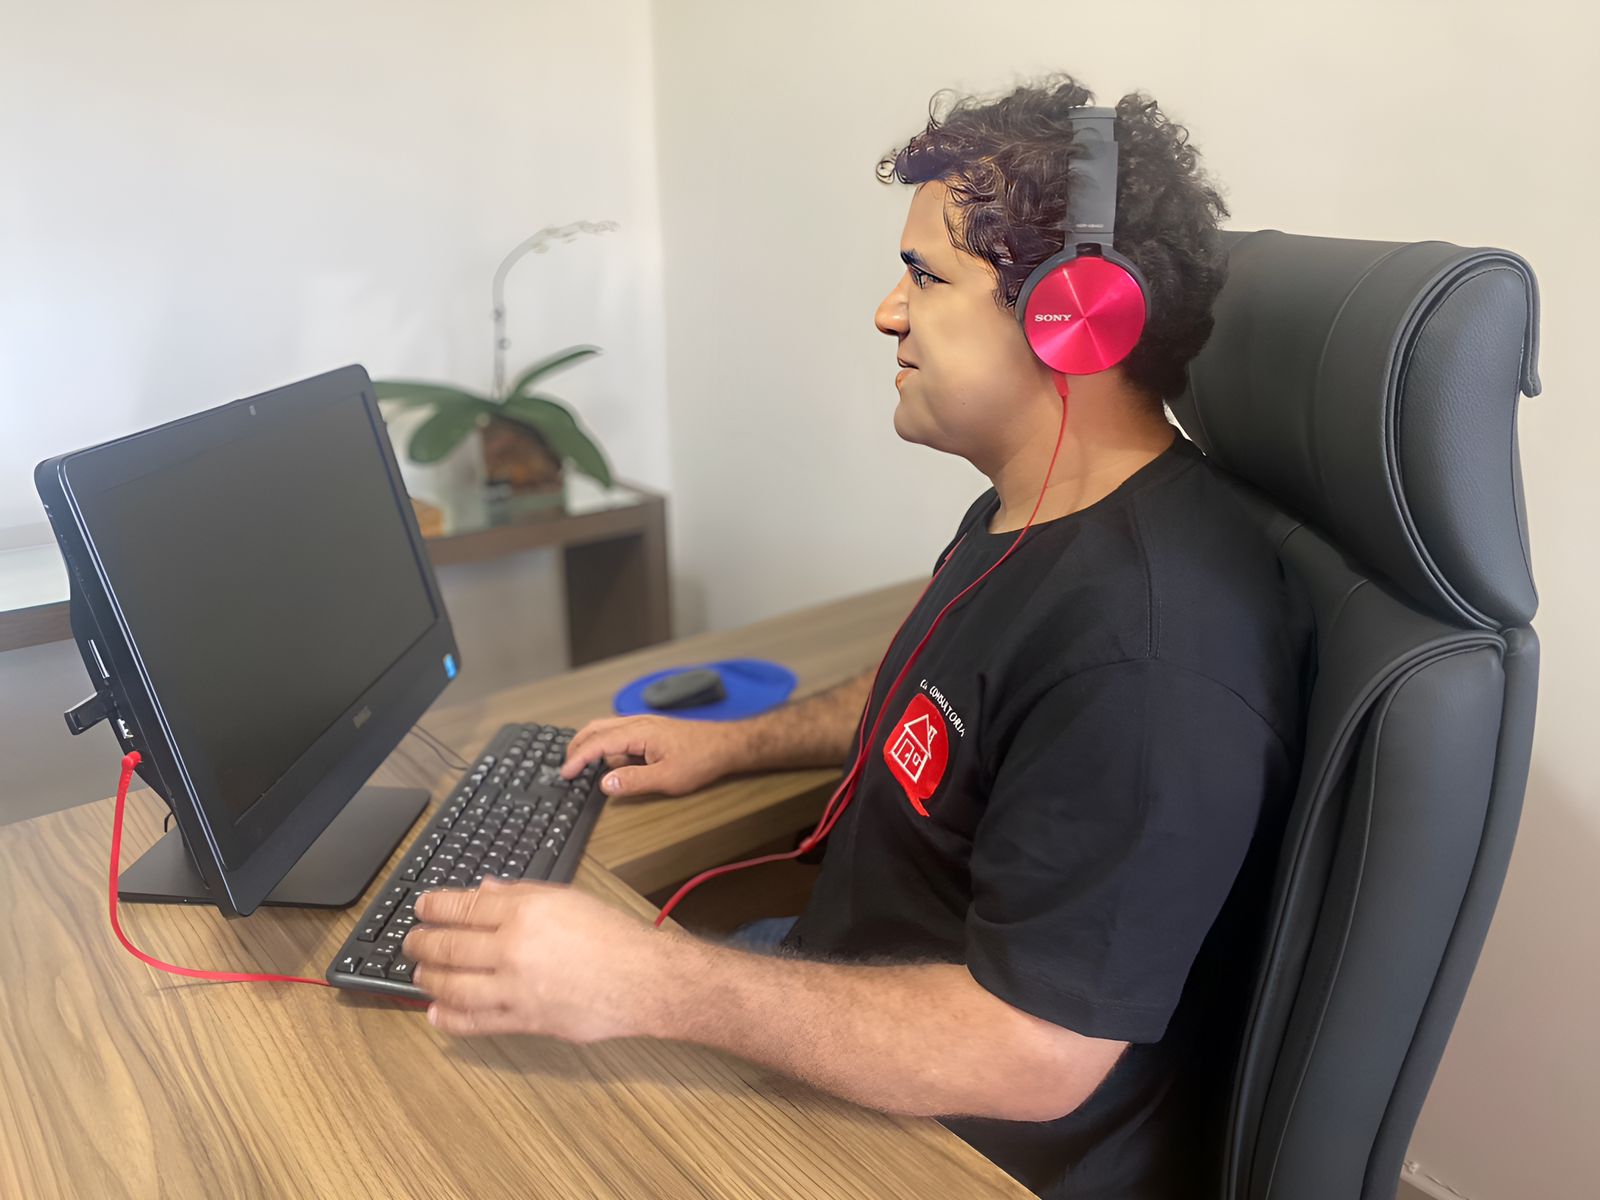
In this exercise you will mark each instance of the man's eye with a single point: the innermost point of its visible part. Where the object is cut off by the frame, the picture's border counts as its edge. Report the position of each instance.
(917, 276)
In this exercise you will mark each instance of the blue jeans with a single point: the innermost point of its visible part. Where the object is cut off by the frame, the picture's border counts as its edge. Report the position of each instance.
(763, 936)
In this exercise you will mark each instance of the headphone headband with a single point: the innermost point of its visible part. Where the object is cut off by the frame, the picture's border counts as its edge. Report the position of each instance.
(1092, 207)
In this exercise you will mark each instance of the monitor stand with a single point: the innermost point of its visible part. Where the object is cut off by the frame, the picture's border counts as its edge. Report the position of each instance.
(332, 874)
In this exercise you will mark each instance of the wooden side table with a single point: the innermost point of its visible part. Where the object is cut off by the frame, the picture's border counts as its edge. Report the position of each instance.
(614, 550)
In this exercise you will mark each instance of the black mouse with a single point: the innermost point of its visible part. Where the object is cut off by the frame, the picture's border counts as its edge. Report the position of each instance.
(685, 689)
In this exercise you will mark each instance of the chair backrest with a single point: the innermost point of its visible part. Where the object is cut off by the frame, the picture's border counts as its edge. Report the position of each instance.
(1365, 396)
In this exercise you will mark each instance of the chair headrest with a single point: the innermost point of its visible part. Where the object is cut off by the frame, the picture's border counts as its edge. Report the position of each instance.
(1371, 389)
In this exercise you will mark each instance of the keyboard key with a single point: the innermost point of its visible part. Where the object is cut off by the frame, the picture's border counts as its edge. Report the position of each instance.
(369, 933)
(409, 873)
(373, 968)
(348, 964)
(401, 969)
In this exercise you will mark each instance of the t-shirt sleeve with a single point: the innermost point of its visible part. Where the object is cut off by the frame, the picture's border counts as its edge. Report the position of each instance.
(1121, 813)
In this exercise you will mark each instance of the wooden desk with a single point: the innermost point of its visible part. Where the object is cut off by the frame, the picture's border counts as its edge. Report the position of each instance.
(116, 1080)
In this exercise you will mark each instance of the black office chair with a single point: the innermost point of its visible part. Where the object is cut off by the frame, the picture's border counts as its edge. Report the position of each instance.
(1366, 395)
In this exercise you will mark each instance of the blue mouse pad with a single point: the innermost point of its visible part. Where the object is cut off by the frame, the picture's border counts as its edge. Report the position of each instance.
(753, 686)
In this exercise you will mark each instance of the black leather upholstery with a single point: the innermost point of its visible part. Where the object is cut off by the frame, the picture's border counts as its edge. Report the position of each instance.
(1364, 394)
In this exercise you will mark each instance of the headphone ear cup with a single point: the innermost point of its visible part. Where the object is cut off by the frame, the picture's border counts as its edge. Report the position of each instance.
(1083, 313)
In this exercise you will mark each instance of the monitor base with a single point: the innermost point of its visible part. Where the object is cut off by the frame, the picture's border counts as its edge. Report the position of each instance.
(332, 874)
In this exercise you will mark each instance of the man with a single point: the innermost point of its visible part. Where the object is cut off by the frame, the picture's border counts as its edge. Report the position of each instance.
(1030, 920)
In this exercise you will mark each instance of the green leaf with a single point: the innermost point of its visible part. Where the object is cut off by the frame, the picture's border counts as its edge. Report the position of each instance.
(413, 393)
(444, 431)
(560, 428)
(549, 365)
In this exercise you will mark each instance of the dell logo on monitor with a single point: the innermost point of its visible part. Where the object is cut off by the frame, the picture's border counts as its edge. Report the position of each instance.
(362, 717)
(1052, 316)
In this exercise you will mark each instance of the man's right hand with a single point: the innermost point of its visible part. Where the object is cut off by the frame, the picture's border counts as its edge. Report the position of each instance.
(678, 755)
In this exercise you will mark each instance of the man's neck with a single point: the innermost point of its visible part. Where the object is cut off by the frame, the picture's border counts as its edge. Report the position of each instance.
(1094, 461)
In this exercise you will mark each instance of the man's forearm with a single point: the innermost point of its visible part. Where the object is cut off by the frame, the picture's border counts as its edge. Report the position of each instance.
(815, 732)
(924, 1040)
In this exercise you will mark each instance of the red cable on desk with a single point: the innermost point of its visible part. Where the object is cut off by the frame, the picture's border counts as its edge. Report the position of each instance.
(129, 762)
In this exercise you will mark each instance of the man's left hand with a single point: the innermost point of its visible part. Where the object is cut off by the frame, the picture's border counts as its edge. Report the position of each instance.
(532, 958)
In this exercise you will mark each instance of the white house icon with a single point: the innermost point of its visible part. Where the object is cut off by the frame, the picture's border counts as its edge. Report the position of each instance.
(914, 746)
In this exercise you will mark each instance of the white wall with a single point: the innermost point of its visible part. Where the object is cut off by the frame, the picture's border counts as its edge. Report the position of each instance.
(200, 200)
(1399, 120)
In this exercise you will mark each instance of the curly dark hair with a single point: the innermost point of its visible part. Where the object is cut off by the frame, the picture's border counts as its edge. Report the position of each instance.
(1005, 162)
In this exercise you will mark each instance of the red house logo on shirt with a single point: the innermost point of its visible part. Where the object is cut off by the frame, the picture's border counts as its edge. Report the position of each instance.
(917, 750)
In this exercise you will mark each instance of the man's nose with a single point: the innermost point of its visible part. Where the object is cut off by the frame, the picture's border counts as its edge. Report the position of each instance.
(891, 315)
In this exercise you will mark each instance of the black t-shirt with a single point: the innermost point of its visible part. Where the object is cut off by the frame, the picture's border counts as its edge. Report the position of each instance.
(1096, 746)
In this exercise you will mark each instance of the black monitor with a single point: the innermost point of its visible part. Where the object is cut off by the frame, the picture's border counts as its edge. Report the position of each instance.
(255, 607)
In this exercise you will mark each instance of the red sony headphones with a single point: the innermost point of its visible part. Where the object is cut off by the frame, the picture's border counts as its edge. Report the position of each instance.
(1082, 311)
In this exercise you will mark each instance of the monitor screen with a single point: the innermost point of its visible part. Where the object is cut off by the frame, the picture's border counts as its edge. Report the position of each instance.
(255, 603)
(268, 581)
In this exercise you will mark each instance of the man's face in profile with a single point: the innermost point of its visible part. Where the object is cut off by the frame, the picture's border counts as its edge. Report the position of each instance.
(971, 362)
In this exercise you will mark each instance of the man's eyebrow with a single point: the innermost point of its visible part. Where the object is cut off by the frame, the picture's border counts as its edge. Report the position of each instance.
(912, 259)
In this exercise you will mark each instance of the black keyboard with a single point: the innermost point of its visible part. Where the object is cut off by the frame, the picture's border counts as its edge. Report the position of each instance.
(511, 815)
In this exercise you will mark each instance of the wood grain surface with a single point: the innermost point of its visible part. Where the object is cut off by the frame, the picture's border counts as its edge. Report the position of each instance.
(119, 1080)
